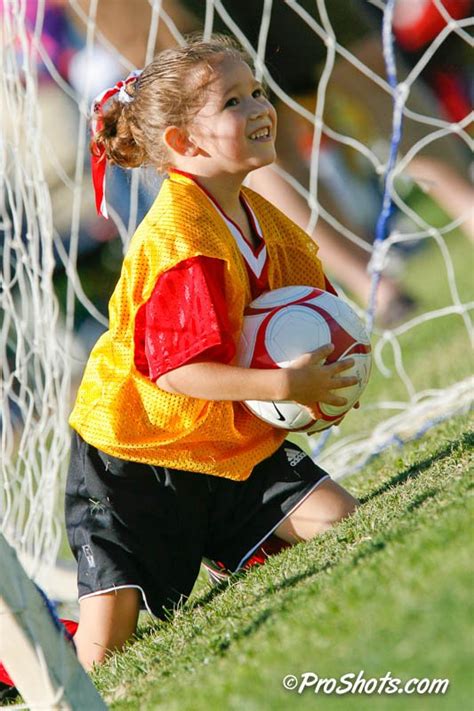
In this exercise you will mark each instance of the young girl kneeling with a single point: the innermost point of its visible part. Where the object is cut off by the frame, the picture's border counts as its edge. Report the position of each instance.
(167, 466)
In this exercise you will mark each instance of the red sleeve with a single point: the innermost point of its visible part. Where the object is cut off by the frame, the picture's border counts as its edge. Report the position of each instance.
(329, 287)
(185, 319)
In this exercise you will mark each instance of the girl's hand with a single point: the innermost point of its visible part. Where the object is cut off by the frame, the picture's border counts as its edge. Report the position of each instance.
(311, 381)
(307, 380)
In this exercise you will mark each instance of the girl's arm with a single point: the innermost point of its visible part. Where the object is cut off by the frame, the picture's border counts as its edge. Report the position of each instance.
(307, 380)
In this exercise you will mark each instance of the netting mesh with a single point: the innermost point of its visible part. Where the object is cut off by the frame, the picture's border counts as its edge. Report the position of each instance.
(34, 349)
(369, 175)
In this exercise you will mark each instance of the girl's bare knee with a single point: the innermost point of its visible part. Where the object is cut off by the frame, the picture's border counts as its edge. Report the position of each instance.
(106, 622)
(347, 507)
(324, 508)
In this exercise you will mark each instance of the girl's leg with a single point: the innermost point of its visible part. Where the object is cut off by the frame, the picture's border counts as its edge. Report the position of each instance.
(106, 622)
(325, 506)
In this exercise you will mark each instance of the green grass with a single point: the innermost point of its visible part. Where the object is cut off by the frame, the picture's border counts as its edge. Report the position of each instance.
(390, 589)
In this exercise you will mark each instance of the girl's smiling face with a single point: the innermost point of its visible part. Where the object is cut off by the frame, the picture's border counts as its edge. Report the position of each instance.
(236, 127)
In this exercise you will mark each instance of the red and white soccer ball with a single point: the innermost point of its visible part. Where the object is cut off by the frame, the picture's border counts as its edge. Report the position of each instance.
(281, 325)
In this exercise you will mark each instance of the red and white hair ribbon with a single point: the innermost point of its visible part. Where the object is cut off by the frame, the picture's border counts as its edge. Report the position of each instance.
(99, 158)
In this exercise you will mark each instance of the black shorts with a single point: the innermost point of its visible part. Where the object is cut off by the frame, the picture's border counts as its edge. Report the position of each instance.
(144, 526)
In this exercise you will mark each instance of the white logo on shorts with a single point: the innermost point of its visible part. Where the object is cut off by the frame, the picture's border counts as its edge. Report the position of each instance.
(89, 556)
(294, 456)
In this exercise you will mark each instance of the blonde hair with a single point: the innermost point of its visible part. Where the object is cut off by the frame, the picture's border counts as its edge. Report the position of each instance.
(168, 92)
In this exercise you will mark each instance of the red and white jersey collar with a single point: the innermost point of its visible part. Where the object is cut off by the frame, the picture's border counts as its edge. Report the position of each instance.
(255, 257)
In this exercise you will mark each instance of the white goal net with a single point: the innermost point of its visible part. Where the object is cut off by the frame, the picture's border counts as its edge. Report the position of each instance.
(366, 129)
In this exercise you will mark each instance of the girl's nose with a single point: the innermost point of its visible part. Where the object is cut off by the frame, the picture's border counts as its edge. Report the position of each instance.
(258, 111)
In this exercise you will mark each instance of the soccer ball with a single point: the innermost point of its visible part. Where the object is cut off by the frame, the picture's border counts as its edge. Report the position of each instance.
(281, 325)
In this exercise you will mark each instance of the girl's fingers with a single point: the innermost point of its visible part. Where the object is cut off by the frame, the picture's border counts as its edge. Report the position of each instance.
(320, 354)
(328, 399)
(341, 365)
(336, 400)
(316, 357)
(344, 382)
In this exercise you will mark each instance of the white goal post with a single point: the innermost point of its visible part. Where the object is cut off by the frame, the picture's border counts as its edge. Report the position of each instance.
(35, 653)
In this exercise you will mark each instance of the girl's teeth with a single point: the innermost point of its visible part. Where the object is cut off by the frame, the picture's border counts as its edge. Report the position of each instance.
(260, 134)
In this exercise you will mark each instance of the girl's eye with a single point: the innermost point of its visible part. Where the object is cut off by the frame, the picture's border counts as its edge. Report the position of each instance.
(257, 93)
(231, 102)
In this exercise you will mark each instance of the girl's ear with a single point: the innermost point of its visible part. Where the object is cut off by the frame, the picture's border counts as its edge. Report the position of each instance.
(177, 140)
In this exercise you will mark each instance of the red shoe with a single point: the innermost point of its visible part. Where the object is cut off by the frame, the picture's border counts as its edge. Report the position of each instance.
(272, 545)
